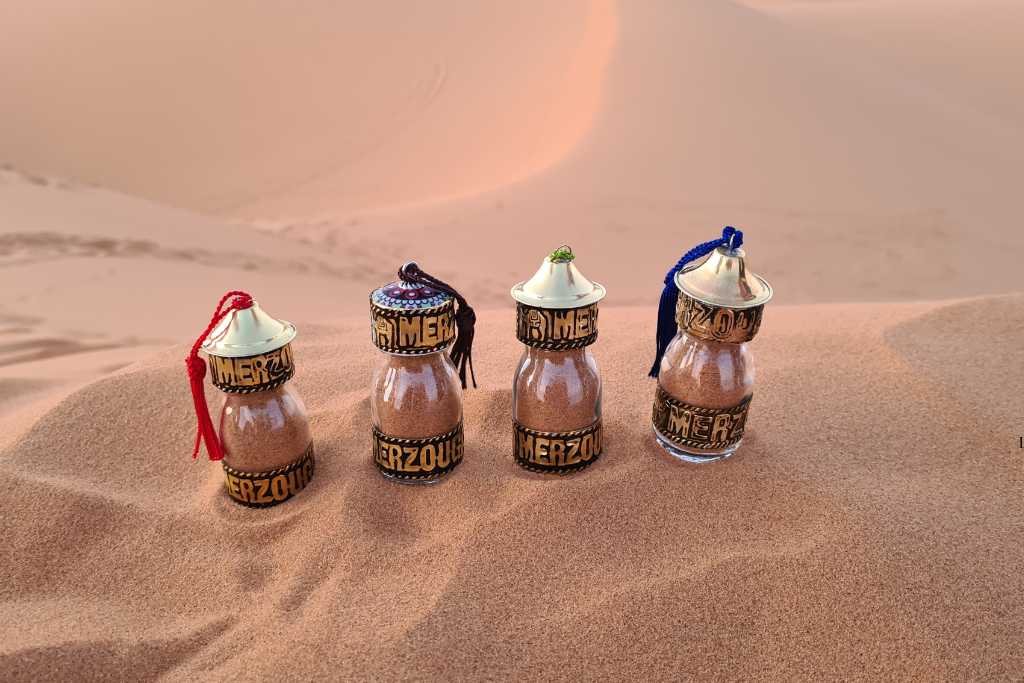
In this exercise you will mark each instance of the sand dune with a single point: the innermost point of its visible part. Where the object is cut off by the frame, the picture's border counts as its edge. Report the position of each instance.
(705, 112)
(100, 266)
(965, 51)
(226, 106)
(865, 530)
(154, 156)
(857, 181)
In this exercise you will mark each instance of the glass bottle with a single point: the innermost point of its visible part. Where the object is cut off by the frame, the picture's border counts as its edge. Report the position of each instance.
(556, 390)
(263, 430)
(263, 436)
(706, 376)
(416, 389)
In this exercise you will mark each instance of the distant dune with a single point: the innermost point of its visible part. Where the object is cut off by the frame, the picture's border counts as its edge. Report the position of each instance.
(235, 106)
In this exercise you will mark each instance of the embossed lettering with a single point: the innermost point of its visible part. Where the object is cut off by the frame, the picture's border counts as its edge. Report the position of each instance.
(271, 488)
(410, 331)
(552, 326)
(695, 427)
(555, 452)
(417, 457)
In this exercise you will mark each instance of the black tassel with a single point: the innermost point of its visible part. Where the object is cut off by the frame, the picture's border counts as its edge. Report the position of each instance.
(667, 326)
(465, 319)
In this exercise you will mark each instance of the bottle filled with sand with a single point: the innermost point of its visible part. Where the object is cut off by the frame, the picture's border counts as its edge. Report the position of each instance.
(706, 371)
(556, 390)
(424, 330)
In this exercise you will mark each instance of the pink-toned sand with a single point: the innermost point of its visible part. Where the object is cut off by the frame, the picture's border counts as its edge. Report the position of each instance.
(869, 527)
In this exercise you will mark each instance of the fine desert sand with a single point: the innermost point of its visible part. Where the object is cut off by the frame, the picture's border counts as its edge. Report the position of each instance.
(155, 155)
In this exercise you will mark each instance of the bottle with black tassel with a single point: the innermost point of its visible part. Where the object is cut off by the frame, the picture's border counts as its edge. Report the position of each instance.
(708, 313)
(424, 329)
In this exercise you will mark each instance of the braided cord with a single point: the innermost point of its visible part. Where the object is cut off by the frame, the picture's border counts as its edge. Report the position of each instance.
(465, 318)
(667, 326)
(205, 431)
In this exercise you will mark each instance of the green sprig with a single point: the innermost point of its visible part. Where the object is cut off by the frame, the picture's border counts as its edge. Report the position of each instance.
(562, 255)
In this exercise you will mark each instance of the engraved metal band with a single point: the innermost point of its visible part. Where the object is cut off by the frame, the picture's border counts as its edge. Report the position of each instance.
(691, 426)
(252, 373)
(418, 459)
(556, 329)
(717, 323)
(556, 452)
(273, 487)
(415, 331)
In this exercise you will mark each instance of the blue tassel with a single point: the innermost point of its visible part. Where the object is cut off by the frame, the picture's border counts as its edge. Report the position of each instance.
(667, 326)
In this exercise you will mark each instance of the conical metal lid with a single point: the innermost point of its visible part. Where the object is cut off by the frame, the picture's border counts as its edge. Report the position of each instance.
(248, 332)
(723, 280)
(558, 283)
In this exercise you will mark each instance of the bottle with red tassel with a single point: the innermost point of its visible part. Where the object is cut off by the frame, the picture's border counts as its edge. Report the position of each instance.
(424, 329)
(263, 439)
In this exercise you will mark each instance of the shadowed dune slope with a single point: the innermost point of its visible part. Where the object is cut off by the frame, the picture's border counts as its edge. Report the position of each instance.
(867, 527)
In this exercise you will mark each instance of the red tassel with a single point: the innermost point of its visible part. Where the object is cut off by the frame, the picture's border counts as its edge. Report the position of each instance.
(196, 366)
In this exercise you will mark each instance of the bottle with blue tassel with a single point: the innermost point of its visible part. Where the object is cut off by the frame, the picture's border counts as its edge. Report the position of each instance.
(709, 312)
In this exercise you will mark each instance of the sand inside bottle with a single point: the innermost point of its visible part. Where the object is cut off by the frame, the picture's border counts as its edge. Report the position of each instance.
(557, 391)
(707, 374)
(416, 397)
(263, 430)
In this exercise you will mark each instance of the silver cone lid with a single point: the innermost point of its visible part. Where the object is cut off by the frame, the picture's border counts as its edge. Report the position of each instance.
(723, 280)
(558, 283)
(248, 332)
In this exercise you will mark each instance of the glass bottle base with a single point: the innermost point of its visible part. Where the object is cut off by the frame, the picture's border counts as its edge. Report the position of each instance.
(692, 455)
(410, 482)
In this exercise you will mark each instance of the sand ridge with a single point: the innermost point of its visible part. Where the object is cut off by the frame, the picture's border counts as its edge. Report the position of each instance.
(812, 551)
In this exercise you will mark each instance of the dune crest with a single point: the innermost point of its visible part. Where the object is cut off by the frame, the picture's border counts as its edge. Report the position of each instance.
(337, 103)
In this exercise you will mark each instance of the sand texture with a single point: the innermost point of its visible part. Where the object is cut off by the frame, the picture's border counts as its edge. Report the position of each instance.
(870, 526)
(154, 155)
